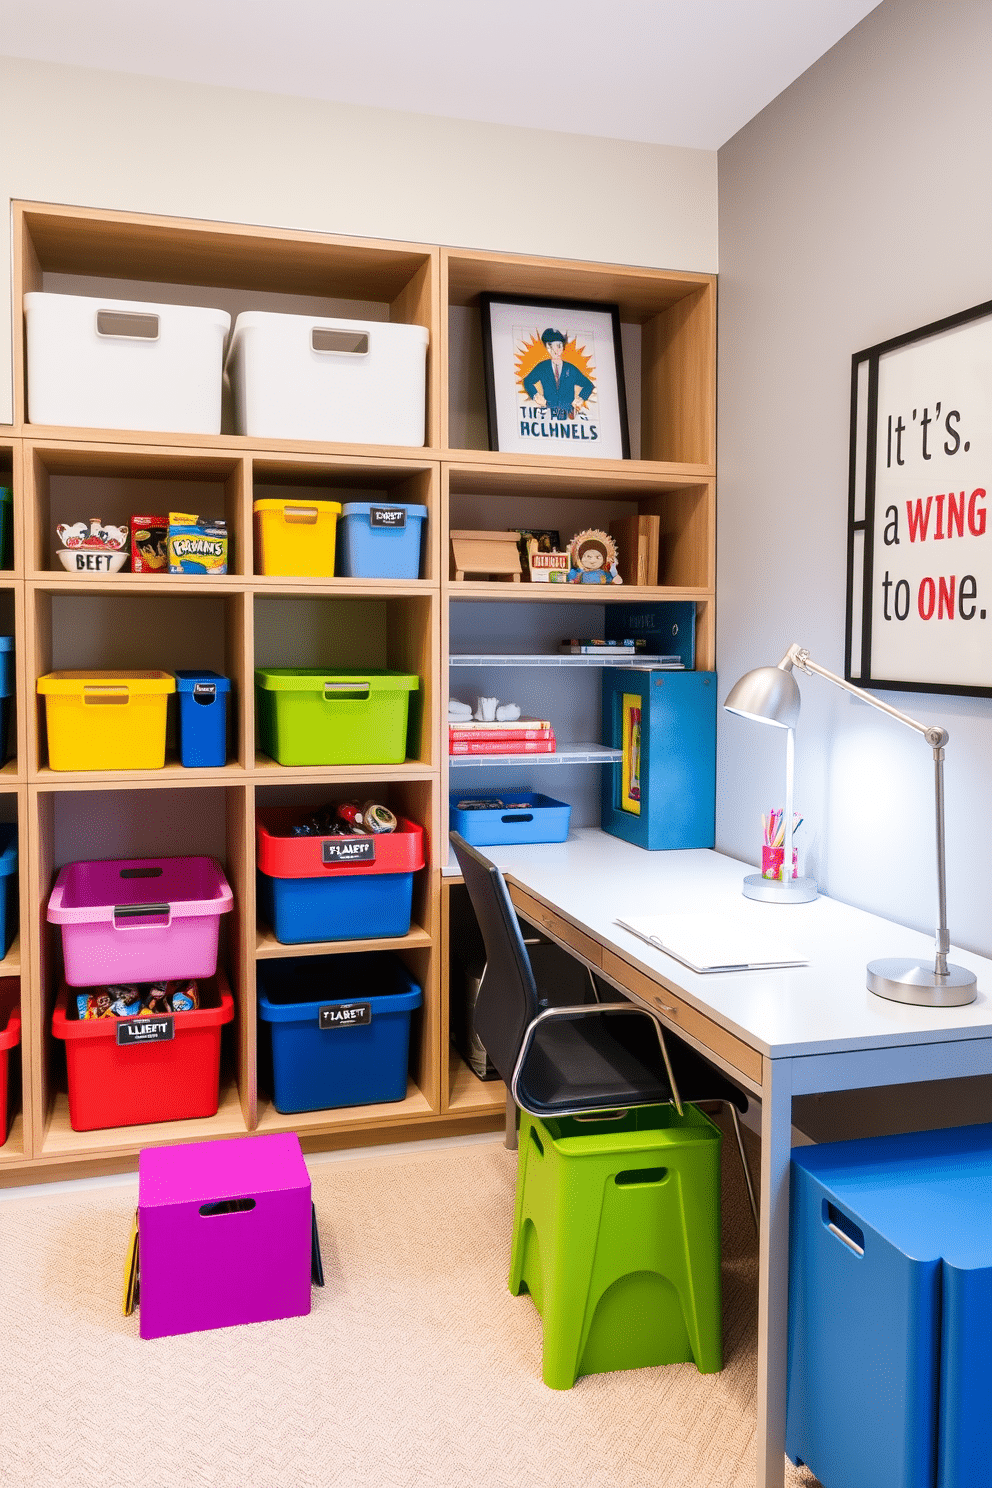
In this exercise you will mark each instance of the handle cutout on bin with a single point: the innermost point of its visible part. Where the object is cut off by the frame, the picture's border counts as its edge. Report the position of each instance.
(93, 695)
(134, 325)
(141, 873)
(350, 343)
(227, 1206)
(640, 1177)
(845, 1229)
(148, 914)
(347, 691)
(537, 1141)
(522, 816)
(306, 515)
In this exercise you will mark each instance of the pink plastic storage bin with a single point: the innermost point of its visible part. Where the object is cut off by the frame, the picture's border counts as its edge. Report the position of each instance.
(139, 919)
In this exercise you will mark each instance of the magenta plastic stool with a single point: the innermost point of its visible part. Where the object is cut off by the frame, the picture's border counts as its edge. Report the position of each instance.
(224, 1234)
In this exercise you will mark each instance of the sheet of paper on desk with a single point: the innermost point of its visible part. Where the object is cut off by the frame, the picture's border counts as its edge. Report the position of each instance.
(705, 943)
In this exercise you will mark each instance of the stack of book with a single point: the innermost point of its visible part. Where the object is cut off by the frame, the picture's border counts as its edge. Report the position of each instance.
(628, 649)
(522, 736)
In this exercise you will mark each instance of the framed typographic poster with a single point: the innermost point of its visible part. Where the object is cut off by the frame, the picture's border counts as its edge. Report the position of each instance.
(919, 587)
(554, 377)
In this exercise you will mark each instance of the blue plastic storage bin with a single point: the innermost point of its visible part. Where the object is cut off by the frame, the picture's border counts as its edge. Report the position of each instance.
(8, 884)
(339, 1028)
(523, 816)
(6, 690)
(202, 718)
(890, 1310)
(380, 541)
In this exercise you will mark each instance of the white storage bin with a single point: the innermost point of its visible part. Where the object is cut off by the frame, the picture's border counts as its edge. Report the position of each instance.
(124, 364)
(351, 381)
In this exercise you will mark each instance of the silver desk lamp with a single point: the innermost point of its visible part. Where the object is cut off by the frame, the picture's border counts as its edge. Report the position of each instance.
(771, 695)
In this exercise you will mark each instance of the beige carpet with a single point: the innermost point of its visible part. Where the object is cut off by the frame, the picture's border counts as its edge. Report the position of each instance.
(415, 1367)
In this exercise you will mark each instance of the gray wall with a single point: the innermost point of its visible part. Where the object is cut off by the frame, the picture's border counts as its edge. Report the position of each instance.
(858, 205)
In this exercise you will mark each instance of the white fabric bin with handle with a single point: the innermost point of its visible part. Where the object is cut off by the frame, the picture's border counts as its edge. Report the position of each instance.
(347, 381)
(124, 364)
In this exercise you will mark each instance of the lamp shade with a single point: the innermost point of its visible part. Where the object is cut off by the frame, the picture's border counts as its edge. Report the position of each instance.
(769, 694)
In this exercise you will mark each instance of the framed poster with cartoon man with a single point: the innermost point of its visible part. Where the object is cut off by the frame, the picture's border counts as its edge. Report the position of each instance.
(554, 377)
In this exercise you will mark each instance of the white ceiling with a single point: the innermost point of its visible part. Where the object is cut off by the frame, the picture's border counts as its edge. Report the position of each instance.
(673, 72)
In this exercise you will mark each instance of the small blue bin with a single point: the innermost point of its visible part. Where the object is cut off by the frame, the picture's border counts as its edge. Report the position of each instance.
(373, 906)
(202, 718)
(525, 816)
(6, 690)
(890, 1310)
(339, 1029)
(8, 884)
(379, 541)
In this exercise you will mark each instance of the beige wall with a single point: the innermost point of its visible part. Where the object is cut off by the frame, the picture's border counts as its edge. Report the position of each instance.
(858, 205)
(111, 140)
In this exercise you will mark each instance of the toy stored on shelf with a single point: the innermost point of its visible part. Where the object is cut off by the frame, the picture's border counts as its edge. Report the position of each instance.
(197, 545)
(92, 547)
(593, 555)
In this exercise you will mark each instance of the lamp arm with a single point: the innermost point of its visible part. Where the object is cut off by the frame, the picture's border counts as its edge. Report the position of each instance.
(797, 656)
(937, 739)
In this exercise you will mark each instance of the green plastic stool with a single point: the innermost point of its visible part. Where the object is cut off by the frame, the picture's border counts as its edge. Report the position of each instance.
(616, 1236)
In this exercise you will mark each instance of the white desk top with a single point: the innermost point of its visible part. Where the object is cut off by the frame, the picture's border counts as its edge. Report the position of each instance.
(816, 1009)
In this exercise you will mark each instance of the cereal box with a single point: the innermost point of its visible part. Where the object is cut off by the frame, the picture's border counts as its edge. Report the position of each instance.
(197, 545)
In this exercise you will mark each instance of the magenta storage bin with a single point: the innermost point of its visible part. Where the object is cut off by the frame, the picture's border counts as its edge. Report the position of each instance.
(139, 919)
(224, 1234)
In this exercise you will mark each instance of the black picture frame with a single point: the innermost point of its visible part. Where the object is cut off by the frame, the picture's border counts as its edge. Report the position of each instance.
(861, 526)
(562, 309)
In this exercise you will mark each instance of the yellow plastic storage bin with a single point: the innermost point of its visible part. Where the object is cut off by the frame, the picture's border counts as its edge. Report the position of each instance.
(106, 720)
(295, 539)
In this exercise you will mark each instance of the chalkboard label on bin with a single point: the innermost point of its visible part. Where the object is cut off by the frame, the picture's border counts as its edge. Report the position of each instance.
(205, 689)
(132, 1031)
(387, 516)
(348, 850)
(345, 1015)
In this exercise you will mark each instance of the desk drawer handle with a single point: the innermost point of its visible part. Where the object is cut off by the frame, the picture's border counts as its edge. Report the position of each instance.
(664, 1008)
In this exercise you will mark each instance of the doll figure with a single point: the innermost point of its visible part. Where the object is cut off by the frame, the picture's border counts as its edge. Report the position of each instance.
(594, 558)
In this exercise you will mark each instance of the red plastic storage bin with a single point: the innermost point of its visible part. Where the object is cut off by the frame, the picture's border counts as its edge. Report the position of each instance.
(139, 919)
(10, 1037)
(173, 1078)
(401, 851)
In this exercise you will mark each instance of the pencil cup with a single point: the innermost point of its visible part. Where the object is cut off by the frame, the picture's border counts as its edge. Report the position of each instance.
(772, 860)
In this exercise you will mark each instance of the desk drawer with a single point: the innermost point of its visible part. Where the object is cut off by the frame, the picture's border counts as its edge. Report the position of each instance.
(538, 914)
(682, 1015)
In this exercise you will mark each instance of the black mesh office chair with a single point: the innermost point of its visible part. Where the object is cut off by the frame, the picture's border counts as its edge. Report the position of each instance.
(577, 1059)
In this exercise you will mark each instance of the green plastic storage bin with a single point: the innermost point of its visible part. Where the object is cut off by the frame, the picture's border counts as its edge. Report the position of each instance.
(616, 1237)
(311, 717)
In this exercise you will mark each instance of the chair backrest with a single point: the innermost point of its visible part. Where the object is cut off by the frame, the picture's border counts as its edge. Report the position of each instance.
(507, 1001)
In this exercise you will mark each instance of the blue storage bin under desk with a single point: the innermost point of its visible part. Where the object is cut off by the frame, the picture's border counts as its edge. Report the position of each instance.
(202, 718)
(380, 541)
(8, 885)
(525, 816)
(890, 1310)
(339, 1028)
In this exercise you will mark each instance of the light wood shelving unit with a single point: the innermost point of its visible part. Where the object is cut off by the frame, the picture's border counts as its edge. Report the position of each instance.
(235, 622)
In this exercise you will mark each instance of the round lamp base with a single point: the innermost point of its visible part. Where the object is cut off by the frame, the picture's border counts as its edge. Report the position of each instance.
(916, 981)
(775, 891)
